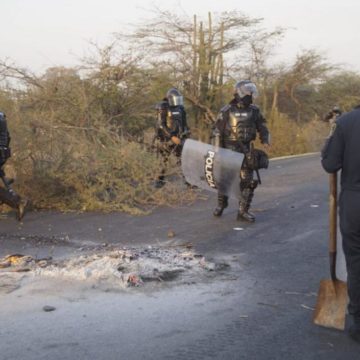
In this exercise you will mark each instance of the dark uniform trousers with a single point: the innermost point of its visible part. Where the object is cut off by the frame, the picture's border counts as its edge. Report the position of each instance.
(349, 207)
(8, 196)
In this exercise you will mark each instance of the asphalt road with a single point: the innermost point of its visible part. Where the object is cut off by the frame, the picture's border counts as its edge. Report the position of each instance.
(260, 308)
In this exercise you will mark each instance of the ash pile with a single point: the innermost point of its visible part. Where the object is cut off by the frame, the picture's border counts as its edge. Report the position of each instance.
(118, 268)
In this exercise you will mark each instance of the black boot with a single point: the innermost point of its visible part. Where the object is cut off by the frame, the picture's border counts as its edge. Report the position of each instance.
(12, 199)
(244, 214)
(222, 204)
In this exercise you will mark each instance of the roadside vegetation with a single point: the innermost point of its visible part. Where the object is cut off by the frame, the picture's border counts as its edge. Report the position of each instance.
(82, 137)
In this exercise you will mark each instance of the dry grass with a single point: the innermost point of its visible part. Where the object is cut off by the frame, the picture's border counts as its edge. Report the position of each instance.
(77, 169)
(60, 164)
(290, 138)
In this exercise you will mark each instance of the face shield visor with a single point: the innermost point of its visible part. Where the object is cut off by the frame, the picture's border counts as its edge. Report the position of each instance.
(176, 100)
(243, 89)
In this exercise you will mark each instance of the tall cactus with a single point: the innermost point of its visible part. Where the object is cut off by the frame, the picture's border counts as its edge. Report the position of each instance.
(208, 67)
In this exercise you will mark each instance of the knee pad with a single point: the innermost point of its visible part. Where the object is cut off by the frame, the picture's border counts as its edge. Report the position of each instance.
(253, 184)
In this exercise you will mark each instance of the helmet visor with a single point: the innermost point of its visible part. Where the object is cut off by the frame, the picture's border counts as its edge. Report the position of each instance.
(247, 89)
(176, 100)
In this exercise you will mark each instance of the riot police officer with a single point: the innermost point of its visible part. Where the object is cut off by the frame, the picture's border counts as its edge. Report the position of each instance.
(171, 129)
(236, 127)
(333, 114)
(7, 195)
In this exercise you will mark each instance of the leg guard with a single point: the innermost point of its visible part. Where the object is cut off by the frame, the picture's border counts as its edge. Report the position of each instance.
(222, 204)
(164, 153)
(247, 188)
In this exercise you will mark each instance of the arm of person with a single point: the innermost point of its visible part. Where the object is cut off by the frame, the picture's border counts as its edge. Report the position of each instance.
(4, 139)
(262, 129)
(218, 128)
(186, 129)
(333, 151)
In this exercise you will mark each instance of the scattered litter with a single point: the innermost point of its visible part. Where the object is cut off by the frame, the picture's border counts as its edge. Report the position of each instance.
(187, 255)
(42, 263)
(330, 344)
(307, 307)
(4, 264)
(238, 228)
(99, 229)
(314, 205)
(48, 308)
(134, 280)
(171, 234)
(206, 265)
(15, 260)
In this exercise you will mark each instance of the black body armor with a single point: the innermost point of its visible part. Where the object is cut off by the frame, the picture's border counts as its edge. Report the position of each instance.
(4, 139)
(171, 121)
(238, 126)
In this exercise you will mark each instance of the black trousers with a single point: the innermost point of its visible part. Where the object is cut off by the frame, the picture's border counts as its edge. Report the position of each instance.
(349, 205)
(165, 150)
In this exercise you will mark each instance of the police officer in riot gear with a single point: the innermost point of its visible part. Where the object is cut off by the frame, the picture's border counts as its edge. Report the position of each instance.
(235, 128)
(171, 129)
(333, 114)
(7, 195)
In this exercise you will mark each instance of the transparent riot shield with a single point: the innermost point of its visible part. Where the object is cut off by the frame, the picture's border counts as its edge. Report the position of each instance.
(212, 168)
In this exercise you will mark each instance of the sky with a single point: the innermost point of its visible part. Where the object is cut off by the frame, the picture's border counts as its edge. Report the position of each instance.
(38, 34)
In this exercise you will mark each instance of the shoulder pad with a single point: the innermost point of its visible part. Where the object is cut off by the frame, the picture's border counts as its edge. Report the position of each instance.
(225, 108)
(163, 105)
(254, 107)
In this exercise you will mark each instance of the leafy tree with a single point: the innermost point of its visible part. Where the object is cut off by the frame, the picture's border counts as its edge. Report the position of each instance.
(342, 89)
(202, 56)
(295, 86)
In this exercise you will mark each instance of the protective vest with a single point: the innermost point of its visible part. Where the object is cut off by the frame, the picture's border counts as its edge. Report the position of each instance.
(240, 125)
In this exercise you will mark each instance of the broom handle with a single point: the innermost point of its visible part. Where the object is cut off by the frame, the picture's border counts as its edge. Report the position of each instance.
(332, 223)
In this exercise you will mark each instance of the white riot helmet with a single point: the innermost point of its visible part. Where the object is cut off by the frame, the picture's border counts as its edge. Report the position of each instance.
(174, 97)
(244, 88)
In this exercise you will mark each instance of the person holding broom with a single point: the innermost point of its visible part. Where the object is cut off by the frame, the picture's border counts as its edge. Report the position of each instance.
(342, 152)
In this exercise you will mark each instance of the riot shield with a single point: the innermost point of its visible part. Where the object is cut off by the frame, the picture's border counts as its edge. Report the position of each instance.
(212, 168)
